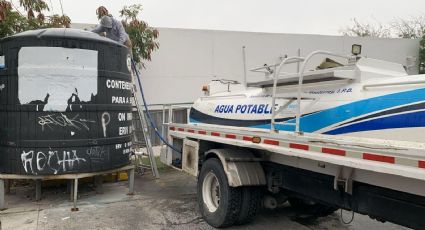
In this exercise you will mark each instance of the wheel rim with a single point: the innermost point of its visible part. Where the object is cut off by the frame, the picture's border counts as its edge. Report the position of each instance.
(211, 192)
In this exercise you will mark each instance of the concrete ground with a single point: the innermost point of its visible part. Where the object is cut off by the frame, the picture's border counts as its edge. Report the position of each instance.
(166, 203)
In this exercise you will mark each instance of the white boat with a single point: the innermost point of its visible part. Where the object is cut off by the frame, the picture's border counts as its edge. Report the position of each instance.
(364, 98)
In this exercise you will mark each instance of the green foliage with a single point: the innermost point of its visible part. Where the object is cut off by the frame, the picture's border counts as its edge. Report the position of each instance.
(33, 5)
(141, 35)
(13, 21)
(36, 5)
(58, 21)
(131, 12)
(422, 56)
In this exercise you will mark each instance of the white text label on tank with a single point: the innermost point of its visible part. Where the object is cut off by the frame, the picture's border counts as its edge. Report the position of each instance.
(115, 84)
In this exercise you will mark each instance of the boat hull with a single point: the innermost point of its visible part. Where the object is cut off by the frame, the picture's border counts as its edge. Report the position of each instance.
(395, 113)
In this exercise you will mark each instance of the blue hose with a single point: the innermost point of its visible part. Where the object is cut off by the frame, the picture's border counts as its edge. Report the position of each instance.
(148, 114)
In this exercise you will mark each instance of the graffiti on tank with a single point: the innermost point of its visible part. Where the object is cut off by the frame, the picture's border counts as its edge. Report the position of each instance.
(63, 120)
(53, 161)
(98, 153)
(106, 118)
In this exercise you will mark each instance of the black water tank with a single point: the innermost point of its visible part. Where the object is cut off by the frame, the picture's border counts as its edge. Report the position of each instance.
(65, 103)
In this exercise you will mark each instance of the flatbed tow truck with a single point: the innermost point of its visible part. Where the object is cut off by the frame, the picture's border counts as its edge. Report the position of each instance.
(348, 137)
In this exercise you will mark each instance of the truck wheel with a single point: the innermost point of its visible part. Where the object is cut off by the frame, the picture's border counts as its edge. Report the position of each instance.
(218, 202)
(251, 202)
(311, 208)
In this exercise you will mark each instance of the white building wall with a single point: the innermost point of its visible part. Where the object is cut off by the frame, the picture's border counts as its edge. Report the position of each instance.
(188, 59)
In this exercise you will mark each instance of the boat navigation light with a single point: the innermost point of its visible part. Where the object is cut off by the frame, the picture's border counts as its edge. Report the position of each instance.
(356, 49)
(205, 89)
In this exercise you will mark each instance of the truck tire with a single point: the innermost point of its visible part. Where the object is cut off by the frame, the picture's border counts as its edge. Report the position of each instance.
(218, 202)
(311, 208)
(251, 203)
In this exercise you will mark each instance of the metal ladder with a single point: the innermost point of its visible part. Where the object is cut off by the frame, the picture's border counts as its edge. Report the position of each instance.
(144, 126)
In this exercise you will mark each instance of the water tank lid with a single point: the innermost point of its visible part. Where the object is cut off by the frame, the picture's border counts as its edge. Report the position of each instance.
(63, 33)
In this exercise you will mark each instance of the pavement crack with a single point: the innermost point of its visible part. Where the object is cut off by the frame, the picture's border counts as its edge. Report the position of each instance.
(38, 216)
(197, 219)
(194, 220)
(18, 212)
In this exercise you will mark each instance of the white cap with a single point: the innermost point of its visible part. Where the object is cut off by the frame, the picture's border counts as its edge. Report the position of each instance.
(106, 21)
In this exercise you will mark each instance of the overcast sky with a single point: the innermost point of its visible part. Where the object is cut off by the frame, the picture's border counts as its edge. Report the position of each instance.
(282, 16)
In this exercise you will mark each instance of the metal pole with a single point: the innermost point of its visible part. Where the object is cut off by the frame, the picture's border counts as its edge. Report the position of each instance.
(98, 183)
(8, 185)
(300, 81)
(170, 114)
(244, 66)
(275, 78)
(37, 189)
(272, 127)
(163, 122)
(298, 63)
(131, 181)
(394, 84)
(169, 151)
(75, 195)
(2, 203)
(70, 183)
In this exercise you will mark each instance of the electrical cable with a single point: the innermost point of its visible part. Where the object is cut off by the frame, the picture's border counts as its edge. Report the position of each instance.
(51, 6)
(60, 1)
(13, 5)
(133, 64)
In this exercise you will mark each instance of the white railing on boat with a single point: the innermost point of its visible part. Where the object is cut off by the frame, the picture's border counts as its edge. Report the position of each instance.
(297, 78)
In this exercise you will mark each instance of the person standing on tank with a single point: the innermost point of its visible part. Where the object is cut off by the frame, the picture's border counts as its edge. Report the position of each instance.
(113, 29)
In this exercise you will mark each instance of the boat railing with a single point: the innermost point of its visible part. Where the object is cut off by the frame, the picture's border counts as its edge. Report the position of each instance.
(300, 75)
(170, 108)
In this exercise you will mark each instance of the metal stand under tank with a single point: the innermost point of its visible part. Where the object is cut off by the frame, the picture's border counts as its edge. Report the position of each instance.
(73, 178)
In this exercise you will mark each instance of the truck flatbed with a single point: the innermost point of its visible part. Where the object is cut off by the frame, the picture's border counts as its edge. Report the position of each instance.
(384, 157)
